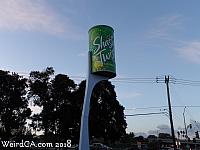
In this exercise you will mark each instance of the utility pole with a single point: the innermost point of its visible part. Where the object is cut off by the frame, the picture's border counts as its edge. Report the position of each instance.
(170, 112)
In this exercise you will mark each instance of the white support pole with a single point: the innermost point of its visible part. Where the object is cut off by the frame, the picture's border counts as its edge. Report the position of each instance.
(91, 81)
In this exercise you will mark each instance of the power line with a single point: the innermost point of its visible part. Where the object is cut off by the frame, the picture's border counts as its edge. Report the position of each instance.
(135, 80)
(160, 107)
(143, 108)
(145, 114)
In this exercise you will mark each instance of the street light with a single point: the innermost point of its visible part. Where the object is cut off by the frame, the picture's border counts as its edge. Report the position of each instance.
(188, 126)
(184, 121)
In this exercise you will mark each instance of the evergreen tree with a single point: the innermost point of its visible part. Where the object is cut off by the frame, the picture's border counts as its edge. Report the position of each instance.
(40, 93)
(13, 103)
(62, 101)
(106, 119)
(64, 106)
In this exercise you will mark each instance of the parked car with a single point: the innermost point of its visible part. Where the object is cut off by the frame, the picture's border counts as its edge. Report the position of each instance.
(99, 146)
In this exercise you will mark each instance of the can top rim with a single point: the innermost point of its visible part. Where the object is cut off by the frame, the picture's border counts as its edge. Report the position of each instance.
(100, 26)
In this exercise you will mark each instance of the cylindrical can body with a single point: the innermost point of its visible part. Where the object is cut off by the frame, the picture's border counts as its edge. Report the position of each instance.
(101, 46)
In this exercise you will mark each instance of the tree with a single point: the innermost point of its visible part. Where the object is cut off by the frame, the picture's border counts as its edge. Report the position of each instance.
(164, 135)
(39, 92)
(13, 103)
(36, 122)
(56, 97)
(128, 138)
(62, 100)
(139, 138)
(78, 102)
(64, 105)
(106, 119)
(106, 113)
(152, 137)
(153, 142)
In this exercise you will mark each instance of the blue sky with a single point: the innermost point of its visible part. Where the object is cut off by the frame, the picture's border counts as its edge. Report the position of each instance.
(152, 38)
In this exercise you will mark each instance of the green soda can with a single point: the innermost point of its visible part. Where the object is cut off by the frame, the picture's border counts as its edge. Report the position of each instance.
(101, 47)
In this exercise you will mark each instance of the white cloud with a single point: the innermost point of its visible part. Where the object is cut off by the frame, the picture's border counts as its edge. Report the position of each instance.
(31, 15)
(153, 132)
(164, 129)
(190, 51)
(131, 95)
(163, 27)
(160, 129)
(167, 28)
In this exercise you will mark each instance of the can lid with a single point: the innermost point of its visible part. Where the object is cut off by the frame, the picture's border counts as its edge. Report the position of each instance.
(97, 26)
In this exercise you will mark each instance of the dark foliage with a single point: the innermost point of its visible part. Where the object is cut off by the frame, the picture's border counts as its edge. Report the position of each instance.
(107, 118)
(61, 101)
(13, 104)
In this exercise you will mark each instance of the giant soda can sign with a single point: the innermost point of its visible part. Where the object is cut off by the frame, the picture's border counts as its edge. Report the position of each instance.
(101, 46)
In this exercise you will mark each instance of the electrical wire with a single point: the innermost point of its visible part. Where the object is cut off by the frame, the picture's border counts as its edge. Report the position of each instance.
(160, 107)
(158, 79)
(145, 114)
